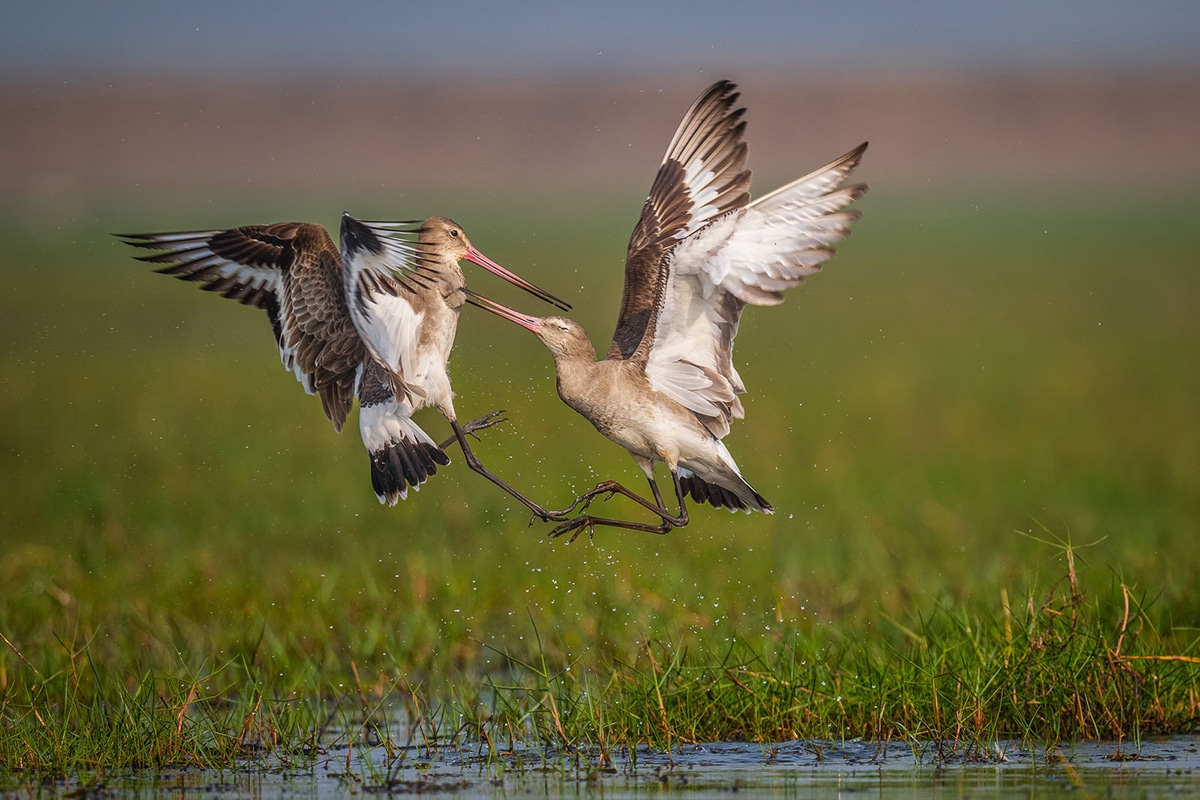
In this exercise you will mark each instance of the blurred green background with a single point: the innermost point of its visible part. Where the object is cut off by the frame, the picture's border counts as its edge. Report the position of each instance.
(965, 369)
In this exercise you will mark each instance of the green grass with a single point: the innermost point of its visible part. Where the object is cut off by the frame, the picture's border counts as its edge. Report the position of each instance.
(978, 425)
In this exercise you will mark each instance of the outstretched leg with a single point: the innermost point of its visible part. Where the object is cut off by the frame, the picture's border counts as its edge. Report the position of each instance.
(476, 465)
(669, 520)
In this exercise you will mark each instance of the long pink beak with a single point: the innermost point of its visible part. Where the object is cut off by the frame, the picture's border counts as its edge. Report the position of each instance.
(525, 321)
(476, 257)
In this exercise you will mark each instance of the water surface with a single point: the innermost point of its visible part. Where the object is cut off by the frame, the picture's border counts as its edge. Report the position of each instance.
(1168, 767)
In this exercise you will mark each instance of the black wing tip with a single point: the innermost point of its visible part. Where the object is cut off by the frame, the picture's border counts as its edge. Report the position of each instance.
(724, 88)
(171, 246)
(724, 94)
(369, 233)
(400, 225)
(165, 252)
(847, 163)
(401, 465)
(852, 156)
(199, 232)
(720, 497)
(357, 235)
(149, 241)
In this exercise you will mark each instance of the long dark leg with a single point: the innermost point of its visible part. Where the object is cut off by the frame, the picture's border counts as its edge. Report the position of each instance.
(669, 520)
(475, 464)
(680, 520)
(478, 424)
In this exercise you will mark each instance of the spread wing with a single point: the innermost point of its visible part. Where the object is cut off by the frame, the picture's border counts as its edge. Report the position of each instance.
(702, 176)
(291, 270)
(747, 257)
(385, 275)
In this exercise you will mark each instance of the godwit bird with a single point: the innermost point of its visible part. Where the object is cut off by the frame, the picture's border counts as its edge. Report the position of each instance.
(294, 272)
(405, 303)
(701, 251)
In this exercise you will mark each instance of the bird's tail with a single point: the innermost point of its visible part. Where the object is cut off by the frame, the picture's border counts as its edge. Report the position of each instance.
(402, 455)
(737, 497)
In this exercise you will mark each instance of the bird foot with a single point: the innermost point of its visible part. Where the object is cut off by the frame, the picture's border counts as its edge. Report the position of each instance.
(606, 487)
(486, 421)
(564, 514)
(559, 515)
(578, 525)
(587, 522)
(547, 515)
(478, 424)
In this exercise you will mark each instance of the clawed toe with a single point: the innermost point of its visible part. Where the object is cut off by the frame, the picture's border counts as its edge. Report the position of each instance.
(578, 525)
(546, 515)
(486, 421)
(584, 500)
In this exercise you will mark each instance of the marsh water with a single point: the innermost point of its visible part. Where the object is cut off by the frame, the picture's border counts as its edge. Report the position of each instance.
(1168, 767)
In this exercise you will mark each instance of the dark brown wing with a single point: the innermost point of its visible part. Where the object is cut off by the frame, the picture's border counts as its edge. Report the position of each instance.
(703, 176)
(292, 270)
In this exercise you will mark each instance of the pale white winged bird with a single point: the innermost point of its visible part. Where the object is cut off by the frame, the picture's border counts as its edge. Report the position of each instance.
(294, 272)
(700, 253)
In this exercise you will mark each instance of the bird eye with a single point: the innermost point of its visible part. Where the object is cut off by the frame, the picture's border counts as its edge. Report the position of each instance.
(454, 232)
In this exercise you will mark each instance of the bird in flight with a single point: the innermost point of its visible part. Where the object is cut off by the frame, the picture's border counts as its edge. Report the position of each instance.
(378, 321)
(701, 252)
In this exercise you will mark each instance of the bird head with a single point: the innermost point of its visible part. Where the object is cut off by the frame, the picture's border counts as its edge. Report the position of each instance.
(441, 239)
(563, 337)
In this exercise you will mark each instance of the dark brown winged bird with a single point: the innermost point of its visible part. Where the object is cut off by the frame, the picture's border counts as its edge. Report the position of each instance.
(667, 389)
(389, 343)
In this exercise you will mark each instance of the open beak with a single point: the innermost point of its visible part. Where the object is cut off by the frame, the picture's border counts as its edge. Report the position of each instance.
(476, 257)
(525, 321)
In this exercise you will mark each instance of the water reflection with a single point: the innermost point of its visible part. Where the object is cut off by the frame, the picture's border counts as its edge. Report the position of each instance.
(1167, 767)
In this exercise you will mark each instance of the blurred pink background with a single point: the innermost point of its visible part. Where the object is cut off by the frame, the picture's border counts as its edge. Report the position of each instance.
(145, 98)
